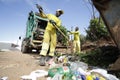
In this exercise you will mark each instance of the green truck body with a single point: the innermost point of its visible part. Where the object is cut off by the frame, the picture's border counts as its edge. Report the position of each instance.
(34, 33)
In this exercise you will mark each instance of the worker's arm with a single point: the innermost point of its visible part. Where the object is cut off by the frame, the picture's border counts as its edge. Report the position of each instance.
(42, 14)
(58, 23)
(74, 32)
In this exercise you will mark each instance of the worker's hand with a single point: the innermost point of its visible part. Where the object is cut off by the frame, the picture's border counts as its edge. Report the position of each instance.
(39, 7)
(52, 22)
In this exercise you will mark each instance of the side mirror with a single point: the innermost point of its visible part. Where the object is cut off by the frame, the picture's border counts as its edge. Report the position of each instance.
(19, 37)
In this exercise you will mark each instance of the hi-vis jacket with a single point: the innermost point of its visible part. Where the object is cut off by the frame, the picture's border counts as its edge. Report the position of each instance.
(76, 35)
(51, 17)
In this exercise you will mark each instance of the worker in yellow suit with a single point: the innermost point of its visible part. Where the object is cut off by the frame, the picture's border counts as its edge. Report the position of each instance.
(49, 41)
(76, 41)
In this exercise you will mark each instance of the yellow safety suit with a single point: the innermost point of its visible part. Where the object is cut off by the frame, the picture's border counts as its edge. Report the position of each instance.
(76, 42)
(49, 35)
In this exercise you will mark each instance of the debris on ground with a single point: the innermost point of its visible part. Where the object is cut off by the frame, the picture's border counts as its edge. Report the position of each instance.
(4, 78)
(79, 71)
(71, 71)
(34, 75)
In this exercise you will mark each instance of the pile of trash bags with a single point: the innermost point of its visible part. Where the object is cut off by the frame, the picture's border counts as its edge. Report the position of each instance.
(65, 69)
(78, 71)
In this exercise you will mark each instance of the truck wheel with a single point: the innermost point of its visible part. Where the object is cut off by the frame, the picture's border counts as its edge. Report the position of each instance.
(29, 50)
(24, 48)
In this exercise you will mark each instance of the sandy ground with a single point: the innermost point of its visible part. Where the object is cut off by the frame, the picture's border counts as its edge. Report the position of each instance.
(14, 64)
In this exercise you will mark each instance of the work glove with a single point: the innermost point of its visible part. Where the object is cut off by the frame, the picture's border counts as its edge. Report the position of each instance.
(52, 22)
(39, 7)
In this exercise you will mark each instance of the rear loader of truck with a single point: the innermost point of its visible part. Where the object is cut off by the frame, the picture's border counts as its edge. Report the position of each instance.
(34, 33)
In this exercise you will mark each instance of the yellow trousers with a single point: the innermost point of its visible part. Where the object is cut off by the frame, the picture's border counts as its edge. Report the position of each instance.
(76, 46)
(49, 41)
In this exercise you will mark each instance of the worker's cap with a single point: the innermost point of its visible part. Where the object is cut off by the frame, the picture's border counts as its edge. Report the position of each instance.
(60, 10)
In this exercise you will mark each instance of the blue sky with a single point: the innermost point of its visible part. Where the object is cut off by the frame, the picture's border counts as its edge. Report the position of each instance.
(14, 13)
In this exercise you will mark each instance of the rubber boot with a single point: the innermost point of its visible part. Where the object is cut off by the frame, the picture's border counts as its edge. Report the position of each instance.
(49, 58)
(42, 61)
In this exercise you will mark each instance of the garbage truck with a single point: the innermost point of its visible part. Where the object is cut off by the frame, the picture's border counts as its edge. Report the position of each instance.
(35, 27)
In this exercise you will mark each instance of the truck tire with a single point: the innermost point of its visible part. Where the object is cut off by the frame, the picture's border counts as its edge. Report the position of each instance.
(24, 48)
